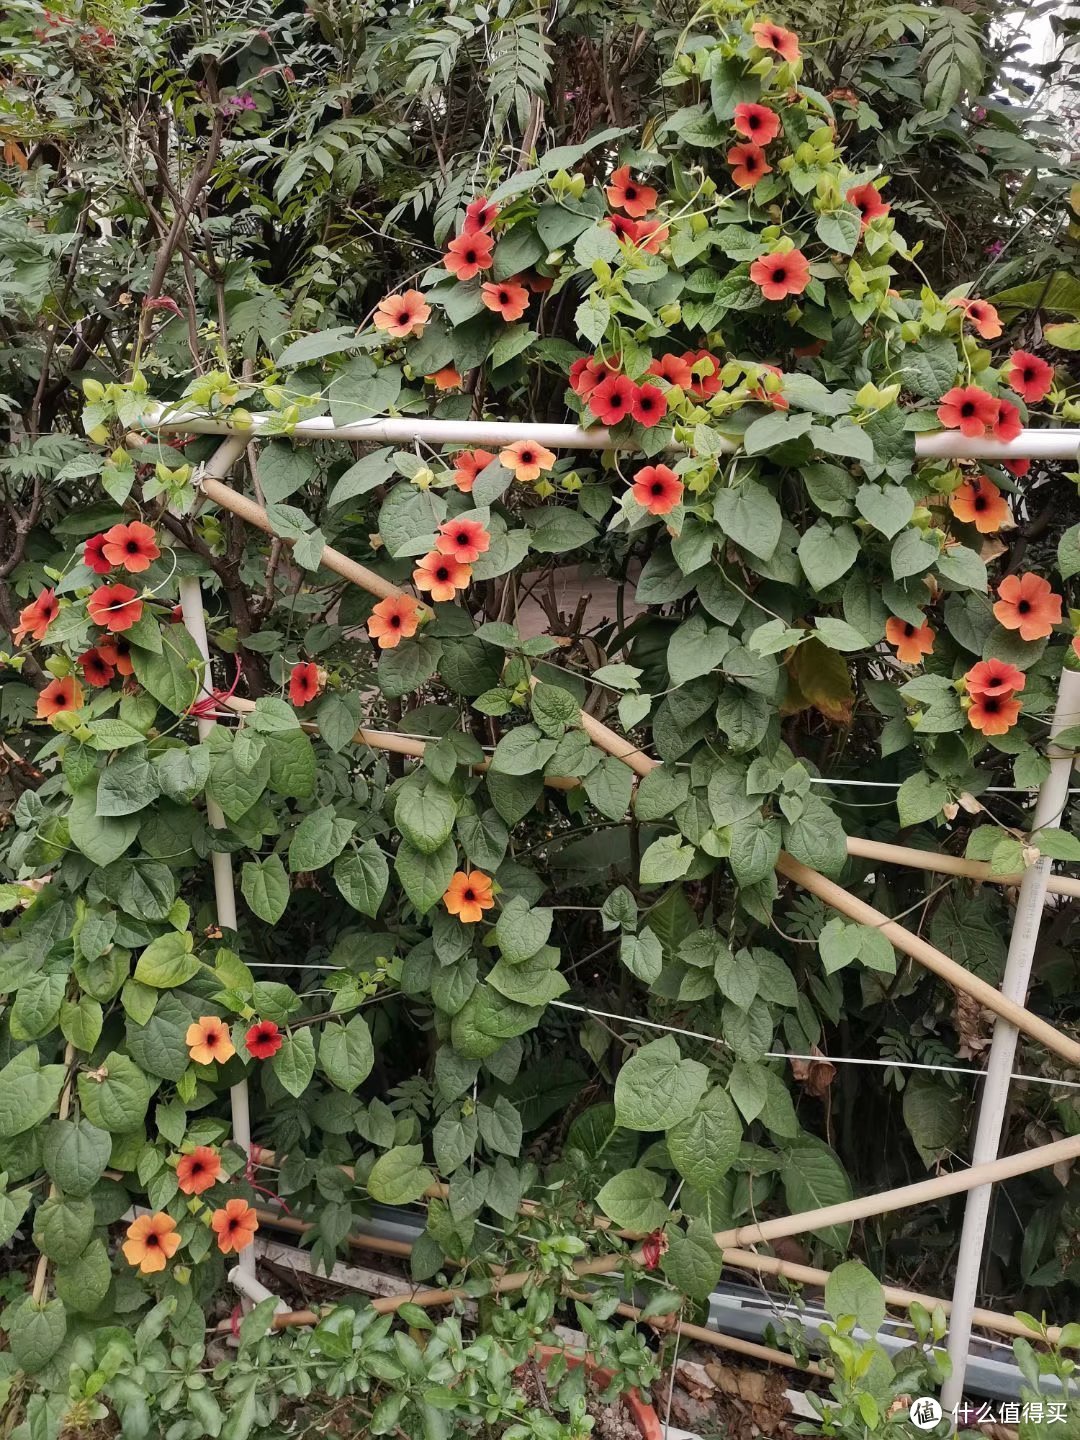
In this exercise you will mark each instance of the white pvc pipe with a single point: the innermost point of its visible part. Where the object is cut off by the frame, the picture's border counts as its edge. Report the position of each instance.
(191, 604)
(1053, 796)
(253, 1288)
(1049, 444)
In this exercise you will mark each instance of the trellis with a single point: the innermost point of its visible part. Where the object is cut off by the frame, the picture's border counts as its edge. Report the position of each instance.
(1007, 1003)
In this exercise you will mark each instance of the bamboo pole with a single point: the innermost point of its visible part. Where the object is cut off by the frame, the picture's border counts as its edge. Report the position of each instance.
(940, 864)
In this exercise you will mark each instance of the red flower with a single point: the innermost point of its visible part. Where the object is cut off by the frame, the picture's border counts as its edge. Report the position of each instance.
(94, 555)
(757, 123)
(400, 316)
(774, 37)
(912, 642)
(508, 299)
(968, 409)
(392, 620)
(652, 1248)
(537, 284)
(651, 234)
(447, 378)
(587, 373)
(980, 503)
(1008, 425)
(263, 1040)
(115, 650)
(626, 230)
(467, 465)
(613, 399)
(97, 670)
(1030, 377)
(115, 607)
(994, 677)
(675, 369)
(131, 546)
(463, 540)
(441, 575)
(35, 618)
(467, 255)
(650, 406)
(702, 386)
(783, 273)
(304, 683)
(58, 696)
(867, 200)
(480, 216)
(994, 714)
(1027, 603)
(626, 194)
(981, 314)
(657, 489)
(748, 165)
(1019, 468)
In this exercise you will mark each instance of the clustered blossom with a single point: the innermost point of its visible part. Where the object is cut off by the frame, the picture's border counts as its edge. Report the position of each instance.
(992, 686)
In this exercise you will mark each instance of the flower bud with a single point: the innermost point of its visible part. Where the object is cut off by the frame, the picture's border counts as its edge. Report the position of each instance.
(910, 331)
(93, 390)
(670, 314)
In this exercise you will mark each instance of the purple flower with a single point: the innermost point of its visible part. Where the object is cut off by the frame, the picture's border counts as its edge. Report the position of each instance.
(235, 103)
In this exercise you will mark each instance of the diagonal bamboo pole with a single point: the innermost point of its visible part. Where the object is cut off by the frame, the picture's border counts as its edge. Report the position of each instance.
(834, 895)
(941, 864)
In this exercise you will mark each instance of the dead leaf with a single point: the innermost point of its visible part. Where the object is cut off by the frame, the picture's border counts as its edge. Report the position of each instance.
(817, 1074)
(819, 679)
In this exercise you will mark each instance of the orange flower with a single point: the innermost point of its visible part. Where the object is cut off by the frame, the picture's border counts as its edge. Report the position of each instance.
(35, 618)
(994, 677)
(1031, 377)
(469, 895)
(507, 298)
(199, 1170)
(442, 575)
(748, 165)
(393, 620)
(783, 273)
(526, 460)
(464, 540)
(467, 255)
(657, 489)
(151, 1241)
(115, 650)
(58, 696)
(912, 641)
(402, 315)
(980, 503)
(467, 465)
(480, 214)
(651, 234)
(768, 36)
(757, 123)
(97, 669)
(994, 714)
(304, 682)
(675, 369)
(447, 378)
(626, 194)
(131, 546)
(1027, 603)
(208, 1040)
(969, 409)
(234, 1226)
(115, 607)
(983, 318)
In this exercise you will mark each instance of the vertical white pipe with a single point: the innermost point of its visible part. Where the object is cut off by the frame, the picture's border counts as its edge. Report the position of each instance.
(1053, 795)
(191, 604)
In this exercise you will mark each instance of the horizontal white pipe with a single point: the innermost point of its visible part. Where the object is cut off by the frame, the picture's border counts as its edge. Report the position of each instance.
(1050, 444)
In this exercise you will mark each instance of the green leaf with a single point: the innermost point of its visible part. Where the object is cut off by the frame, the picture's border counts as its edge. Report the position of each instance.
(36, 1330)
(750, 516)
(115, 1098)
(668, 858)
(28, 1092)
(920, 798)
(283, 467)
(693, 1260)
(634, 1200)
(101, 839)
(399, 1177)
(610, 787)
(592, 318)
(319, 838)
(556, 529)
(826, 553)
(425, 878)
(338, 718)
(522, 751)
(265, 887)
(362, 875)
(80, 1022)
(755, 848)
(294, 1064)
(840, 943)
(521, 930)
(888, 508)
(367, 474)
(75, 1155)
(536, 981)
(425, 814)
(127, 784)
(852, 1291)
(696, 648)
(167, 962)
(83, 1283)
(912, 554)
(813, 1177)
(705, 1145)
(346, 1053)
(657, 1088)
(642, 955)
(172, 677)
(1068, 553)
(840, 229)
(63, 1226)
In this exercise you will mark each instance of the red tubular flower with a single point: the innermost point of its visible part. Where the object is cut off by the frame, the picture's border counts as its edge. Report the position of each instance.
(783, 273)
(441, 575)
(702, 386)
(768, 36)
(748, 165)
(657, 489)
(994, 677)
(912, 642)
(613, 399)
(650, 406)
(1027, 603)
(463, 540)
(981, 315)
(1031, 377)
(968, 409)
(623, 193)
(467, 465)
(400, 316)
(480, 216)
(97, 670)
(675, 369)
(507, 298)
(994, 714)
(1007, 423)
(35, 618)
(58, 696)
(115, 607)
(757, 123)
(94, 555)
(132, 547)
(653, 1248)
(304, 683)
(263, 1040)
(867, 200)
(392, 620)
(980, 503)
(467, 255)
